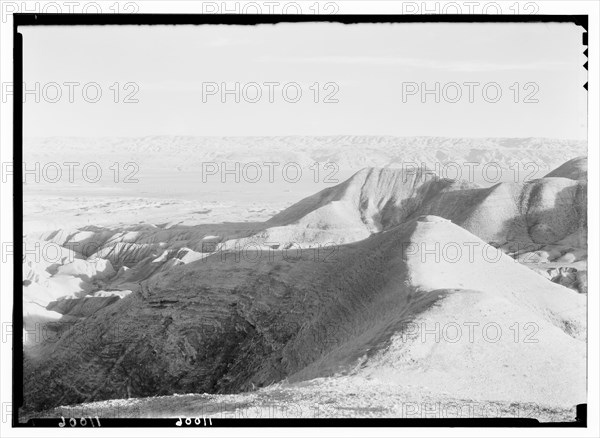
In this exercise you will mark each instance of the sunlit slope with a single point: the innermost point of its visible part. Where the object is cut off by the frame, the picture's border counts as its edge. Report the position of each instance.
(227, 324)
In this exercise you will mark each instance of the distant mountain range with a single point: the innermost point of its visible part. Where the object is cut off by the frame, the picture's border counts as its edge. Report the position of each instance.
(185, 154)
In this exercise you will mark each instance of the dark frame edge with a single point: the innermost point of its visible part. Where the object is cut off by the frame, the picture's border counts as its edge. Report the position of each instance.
(17, 324)
(35, 19)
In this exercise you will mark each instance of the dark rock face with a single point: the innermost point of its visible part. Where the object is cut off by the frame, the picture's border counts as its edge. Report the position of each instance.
(214, 326)
(224, 325)
(82, 307)
(569, 277)
(227, 325)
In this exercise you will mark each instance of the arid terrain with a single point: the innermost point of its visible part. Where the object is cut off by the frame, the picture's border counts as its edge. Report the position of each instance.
(372, 293)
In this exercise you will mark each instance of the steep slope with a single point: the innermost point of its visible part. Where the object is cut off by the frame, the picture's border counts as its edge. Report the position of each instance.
(376, 198)
(518, 217)
(574, 169)
(541, 223)
(227, 324)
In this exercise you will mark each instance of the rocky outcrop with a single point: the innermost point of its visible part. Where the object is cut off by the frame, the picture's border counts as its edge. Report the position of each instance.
(570, 277)
(87, 305)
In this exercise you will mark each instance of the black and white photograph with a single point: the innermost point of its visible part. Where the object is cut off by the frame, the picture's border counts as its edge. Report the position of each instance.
(266, 216)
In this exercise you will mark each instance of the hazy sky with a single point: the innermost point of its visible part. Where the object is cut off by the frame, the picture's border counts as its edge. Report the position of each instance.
(367, 67)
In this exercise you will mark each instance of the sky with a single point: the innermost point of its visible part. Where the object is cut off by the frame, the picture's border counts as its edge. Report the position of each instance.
(361, 79)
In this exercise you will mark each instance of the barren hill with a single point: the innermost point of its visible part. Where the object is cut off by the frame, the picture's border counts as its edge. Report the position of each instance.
(540, 214)
(227, 325)
(574, 169)
(542, 223)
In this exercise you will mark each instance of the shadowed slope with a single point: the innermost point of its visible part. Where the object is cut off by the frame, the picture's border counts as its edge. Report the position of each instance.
(524, 216)
(542, 221)
(221, 325)
(574, 169)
